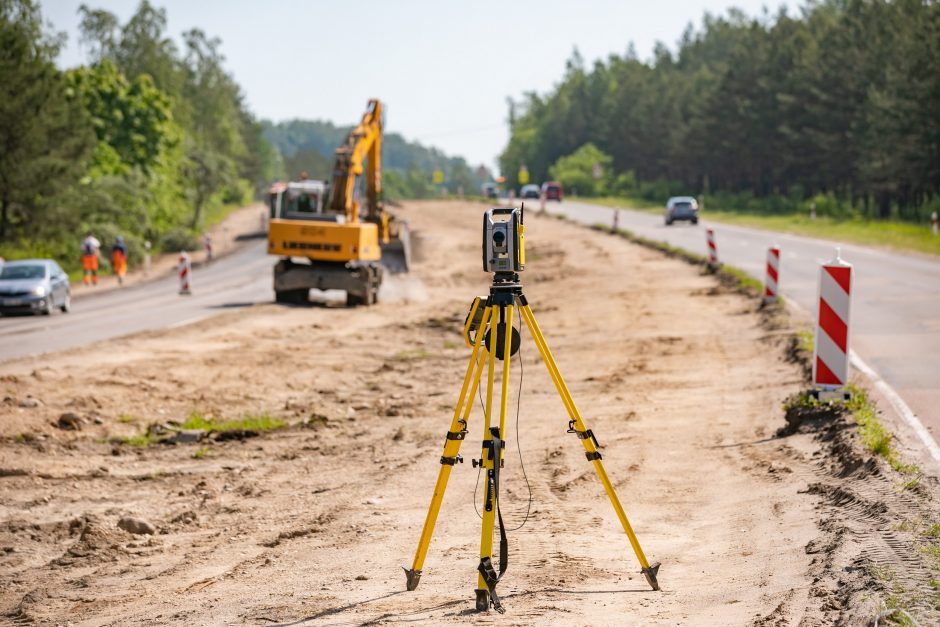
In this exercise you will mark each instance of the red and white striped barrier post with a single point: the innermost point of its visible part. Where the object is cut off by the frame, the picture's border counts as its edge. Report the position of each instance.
(616, 225)
(831, 348)
(772, 280)
(185, 269)
(542, 203)
(712, 248)
(934, 223)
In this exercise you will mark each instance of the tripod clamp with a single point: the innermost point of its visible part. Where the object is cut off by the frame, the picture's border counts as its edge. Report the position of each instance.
(585, 435)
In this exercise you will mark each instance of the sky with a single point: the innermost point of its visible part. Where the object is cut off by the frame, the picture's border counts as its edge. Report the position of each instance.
(443, 69)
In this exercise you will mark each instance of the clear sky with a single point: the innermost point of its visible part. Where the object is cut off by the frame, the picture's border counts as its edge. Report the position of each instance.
(443, 68)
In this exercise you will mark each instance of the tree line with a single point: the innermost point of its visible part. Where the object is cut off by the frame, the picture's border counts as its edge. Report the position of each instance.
(839, 104)
(141, 141)
(407, 167)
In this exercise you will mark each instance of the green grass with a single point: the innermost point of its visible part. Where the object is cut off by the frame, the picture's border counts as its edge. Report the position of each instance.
(201, 452)
(875, 436)
(258, 423)
(126, 418)
(881, 233)
(142, 440)
(807, 341)
(412, 355)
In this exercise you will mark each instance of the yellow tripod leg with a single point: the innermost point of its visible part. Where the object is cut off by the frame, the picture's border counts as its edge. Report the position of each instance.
(493, 454)
(589, 442)
(455, 436)
(486, 463)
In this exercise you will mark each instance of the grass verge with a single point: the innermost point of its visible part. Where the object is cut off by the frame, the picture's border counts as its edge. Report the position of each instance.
(888, 234)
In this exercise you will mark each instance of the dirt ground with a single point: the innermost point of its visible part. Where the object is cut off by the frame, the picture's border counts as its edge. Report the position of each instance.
(682, 381)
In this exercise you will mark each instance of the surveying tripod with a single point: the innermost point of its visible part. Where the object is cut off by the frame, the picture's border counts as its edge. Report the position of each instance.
(491, 317)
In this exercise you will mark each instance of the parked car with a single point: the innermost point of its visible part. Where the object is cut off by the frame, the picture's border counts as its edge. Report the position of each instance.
(529, 191)
(490, 190)
(34, 286)
(681, 208)
(553, 191)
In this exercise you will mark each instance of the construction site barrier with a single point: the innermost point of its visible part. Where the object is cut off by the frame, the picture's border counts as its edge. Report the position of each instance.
(772, 279)
(185, 270)
(831, 348)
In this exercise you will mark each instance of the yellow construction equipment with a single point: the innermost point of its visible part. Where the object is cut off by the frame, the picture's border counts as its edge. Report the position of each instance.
(318, 230)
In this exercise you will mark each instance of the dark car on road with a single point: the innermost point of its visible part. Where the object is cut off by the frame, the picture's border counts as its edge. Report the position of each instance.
(34, 286)
(490, 190)
(553, 191)
(681, 208)
(529, 191)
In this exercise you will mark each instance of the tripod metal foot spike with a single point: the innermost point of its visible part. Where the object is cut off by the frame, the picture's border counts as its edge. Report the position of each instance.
(650, 573)
(412, 577)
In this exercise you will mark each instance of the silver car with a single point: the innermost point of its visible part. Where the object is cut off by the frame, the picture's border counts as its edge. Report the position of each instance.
(34, 286)
(681, 208)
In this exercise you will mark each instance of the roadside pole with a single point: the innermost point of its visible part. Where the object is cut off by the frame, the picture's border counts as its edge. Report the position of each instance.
(831, 346)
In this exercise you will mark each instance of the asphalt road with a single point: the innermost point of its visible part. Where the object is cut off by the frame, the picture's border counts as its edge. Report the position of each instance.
(240, 279)
(895, 317)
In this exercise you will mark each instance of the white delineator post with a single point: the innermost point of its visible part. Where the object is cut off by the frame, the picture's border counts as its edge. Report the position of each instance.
(712, 248)
(934, 223)
(185, 269)
(542, 203)
(831, 350)
(616, 225)
(772, 280)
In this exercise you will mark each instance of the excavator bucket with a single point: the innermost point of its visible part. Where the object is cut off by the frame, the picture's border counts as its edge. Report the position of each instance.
(396, 255)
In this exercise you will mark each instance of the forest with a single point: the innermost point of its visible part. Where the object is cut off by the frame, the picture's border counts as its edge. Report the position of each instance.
(838, 106)
(149, 139)
(143, 141)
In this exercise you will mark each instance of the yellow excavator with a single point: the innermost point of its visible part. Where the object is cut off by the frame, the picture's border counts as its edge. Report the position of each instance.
(323, 239)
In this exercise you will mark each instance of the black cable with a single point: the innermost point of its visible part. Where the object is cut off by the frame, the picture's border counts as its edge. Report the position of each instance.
(528, 507)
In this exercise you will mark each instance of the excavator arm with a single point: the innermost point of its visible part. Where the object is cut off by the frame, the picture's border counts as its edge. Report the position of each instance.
(363, 142)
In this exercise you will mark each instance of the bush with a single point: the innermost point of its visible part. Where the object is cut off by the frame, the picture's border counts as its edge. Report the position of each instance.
(179, 239)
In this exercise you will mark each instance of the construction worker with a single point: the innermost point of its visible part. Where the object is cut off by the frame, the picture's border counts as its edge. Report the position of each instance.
(119, 259)
(90, 248)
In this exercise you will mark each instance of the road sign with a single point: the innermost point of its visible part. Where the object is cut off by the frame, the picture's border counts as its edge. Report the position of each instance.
(438, 176)
(597, 171)
(523, 175)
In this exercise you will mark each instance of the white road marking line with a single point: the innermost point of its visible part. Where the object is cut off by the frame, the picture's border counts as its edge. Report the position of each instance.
(899, 406)
(183, 323)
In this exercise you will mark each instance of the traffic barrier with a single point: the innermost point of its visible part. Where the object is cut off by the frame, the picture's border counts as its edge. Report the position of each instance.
(542, 203)
(831, 348)
(934, 223)
(185, 270)
(712, 248)
(772, 281)
(616, 225)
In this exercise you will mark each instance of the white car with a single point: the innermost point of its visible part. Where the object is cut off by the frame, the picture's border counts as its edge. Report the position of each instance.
(681, 208)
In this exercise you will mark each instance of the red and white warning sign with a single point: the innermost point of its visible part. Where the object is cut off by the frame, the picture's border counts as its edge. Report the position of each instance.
(712, 248)
(831, 358)
(772, 280)
(185, 269)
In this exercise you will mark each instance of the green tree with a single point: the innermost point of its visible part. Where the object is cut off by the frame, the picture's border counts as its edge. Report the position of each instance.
(45, 138)
(576, 171)
(132, 119)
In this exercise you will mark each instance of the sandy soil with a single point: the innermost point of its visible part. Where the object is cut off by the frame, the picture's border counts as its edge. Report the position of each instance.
(681, 380)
